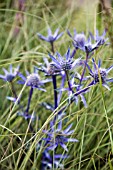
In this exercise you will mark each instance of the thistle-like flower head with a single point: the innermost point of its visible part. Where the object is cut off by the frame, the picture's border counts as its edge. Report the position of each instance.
(33, 80)
(100, 38)
(49, 68)
(51, 37)
(58, 137)
(100, 73)
(79, 38)
(80, 42)
(64, 63)
(9, 75)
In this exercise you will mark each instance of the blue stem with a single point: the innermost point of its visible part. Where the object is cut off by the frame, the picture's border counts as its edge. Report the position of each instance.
(54, 80)
(28, 106)
(29, 100)
(54, 87)
(52, 47)
(55, 92)
(55, 99)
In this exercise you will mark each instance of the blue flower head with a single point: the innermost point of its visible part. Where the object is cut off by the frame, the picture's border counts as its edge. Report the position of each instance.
(58, 137)
(51, 37)
(33, 80)
(10, 75)
(79, 38)
(100, 38)
(64, 63)
(80, 42)
(99, 72)
(49, 68)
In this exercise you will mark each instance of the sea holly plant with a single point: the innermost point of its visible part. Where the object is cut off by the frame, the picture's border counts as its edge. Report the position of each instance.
(70, 75)
(81, 42)
(58, 136)
(87, 45)
(65, 63)
(33, 81)
(100, 38)
(9, 77)
(100, 74)
(51, 38)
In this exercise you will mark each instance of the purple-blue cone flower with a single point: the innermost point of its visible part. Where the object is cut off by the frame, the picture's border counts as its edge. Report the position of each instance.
(49, 68)
(32, 80)
(80, 42)
(66, 62)
(57, 136)
(97, 72)
(11, 74)
(100, 38)
(51, 37)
